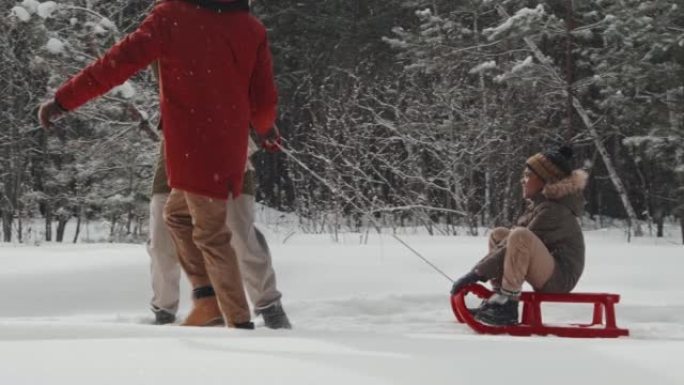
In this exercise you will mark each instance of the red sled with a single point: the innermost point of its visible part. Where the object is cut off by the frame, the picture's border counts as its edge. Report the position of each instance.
(532, 323)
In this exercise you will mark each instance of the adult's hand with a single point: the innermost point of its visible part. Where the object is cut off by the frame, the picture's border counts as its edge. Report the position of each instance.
(272, 141)
(49, 112)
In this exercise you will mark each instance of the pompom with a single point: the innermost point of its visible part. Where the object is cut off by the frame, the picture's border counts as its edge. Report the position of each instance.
(567, 152)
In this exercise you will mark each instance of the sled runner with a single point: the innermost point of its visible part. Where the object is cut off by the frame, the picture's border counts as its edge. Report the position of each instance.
(602, 325)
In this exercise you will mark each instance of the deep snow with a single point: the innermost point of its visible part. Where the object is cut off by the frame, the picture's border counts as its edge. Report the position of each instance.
(363, 314)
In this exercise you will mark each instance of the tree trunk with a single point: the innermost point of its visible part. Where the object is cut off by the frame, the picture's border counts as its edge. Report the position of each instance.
(449, 218)
(61, 226)
(20, 228)
(612, 172)
(658, 218)
(6, 226)
(113, 229)
(600, 206)
(614, 177)
(428, 225)
(674, 116)
(48, 222)
(485, 124)
(487, 209)
(660, 225)
(507, 201)
(129, 221)
(569, 66)
(78, 224)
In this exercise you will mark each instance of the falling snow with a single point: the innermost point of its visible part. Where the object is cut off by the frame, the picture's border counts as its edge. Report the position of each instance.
(55, 46)
(21, 13)
(46, 9)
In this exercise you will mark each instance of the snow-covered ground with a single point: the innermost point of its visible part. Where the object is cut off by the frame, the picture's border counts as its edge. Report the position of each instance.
(363, 314)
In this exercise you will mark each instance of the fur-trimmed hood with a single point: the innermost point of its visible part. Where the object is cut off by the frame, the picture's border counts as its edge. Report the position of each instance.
(575, 183)
(567, 192)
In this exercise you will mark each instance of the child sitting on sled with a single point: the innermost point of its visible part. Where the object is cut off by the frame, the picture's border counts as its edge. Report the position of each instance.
(546, 248)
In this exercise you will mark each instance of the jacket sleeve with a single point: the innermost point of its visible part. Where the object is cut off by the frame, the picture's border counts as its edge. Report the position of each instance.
(123, 60)
(544, 222)
(262, 91)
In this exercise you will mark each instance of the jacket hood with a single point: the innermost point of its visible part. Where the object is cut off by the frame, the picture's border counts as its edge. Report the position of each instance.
(573, 184)
(568, 191)
(222, 5)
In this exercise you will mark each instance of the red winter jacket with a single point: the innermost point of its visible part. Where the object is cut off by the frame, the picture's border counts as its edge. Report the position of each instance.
(216, 79)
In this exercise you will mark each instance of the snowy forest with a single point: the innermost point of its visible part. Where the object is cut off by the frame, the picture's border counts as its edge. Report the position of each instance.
(410, 112)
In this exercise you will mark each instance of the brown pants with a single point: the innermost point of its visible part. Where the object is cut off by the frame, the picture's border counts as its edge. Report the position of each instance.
(198, 227)
(527, 258)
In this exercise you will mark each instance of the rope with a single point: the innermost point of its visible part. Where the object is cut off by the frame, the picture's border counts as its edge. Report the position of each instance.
(340, 194)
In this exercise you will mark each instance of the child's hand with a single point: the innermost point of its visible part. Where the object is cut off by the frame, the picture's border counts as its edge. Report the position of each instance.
(464, 281)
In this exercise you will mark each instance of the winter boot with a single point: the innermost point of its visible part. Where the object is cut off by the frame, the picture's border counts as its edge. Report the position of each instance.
(205, 309)
(163, 317)
(275, 317)
(245, 325)
(474, 311)
(499, 310)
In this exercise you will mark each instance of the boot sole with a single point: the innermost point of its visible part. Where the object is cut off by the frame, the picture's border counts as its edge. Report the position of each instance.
(213, 322)
(490, 322)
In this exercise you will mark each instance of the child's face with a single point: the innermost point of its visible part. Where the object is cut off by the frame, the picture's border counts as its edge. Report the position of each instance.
(531, 183)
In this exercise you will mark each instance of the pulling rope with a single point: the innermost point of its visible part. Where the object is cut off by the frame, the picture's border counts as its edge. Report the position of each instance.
(340, 194)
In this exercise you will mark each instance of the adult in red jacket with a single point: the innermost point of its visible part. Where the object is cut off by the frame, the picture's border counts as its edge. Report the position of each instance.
(216, 80)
